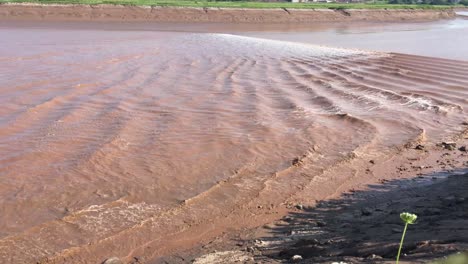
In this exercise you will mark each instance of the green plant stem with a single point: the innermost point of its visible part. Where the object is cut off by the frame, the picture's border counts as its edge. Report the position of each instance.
(401, 244)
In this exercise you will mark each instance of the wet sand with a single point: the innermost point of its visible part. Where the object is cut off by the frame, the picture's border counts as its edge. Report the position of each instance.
(142, 144)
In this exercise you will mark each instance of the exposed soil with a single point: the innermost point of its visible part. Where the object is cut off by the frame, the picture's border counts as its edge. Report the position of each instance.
(363, 224)
(178, 14)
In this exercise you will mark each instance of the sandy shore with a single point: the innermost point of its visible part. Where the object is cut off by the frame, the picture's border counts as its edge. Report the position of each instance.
(175, 14)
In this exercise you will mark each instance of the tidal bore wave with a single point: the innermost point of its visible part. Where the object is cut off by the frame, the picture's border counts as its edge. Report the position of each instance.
(116, 142)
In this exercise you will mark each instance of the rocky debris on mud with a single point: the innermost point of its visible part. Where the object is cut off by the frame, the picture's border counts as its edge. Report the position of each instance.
(364, 226)
(113, 260)
(269, 226)
(224, 257)
(298, 161)
(299, 206)
(321, 224)
(448, 145)
(366, 211)
(420, 147)
(374, 256)
(296, 258)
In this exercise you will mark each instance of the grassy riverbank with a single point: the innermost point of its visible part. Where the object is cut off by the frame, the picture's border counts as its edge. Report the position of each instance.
(234, 4)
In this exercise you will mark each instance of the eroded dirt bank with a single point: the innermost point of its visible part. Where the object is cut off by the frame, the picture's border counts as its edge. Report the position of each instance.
(176, 14)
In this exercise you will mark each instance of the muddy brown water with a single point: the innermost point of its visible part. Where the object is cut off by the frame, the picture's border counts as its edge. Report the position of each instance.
(132, 132)
(443, 39)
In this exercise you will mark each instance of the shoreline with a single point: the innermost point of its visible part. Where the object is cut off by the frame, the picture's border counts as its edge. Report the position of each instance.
(360, 224)
(267, 230)
(236, 214)
(121, 13)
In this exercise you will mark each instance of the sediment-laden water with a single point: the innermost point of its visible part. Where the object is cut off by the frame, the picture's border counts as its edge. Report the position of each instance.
(110, 140)
(443, 39)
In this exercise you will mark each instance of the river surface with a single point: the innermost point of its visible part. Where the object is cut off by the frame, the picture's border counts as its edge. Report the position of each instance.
(444, 39)
(111, 130)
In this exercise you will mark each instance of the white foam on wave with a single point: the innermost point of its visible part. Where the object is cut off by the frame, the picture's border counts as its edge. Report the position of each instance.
(251, 46)
(120, 214)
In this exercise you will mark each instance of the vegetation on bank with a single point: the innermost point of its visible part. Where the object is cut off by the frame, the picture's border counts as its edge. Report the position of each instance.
(409, 219)
(430, 2)
(240, 4)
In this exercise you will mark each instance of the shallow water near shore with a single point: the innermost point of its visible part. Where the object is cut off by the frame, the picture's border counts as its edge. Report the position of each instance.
(140, 132)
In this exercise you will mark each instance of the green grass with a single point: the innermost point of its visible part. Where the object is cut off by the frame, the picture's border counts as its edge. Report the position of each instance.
(233, 4)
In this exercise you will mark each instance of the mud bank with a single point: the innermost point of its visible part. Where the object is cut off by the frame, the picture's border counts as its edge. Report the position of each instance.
(363, 225)
(176, 14)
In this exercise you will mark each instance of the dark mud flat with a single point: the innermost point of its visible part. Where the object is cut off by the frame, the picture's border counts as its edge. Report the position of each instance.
(364, 227)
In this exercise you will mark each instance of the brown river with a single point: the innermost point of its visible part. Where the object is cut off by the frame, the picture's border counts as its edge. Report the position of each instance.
(113, 136)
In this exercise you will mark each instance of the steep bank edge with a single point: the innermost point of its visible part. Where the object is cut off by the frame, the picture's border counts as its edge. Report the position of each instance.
(187, 14)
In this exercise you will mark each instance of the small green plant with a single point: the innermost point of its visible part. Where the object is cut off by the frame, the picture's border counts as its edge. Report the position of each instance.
(409, 219)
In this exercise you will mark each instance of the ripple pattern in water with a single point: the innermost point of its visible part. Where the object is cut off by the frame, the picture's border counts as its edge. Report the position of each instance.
(114, 138)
